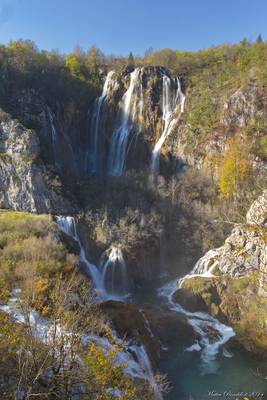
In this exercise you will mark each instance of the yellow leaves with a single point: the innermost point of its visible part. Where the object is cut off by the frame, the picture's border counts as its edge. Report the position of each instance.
(40, 286)
(108, 375)
(235, 168)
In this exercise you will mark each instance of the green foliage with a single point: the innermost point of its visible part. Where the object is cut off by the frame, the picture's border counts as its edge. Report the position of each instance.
(29, 248)
(55, 77)
(263, 146)
(130, 61)
(32, 258)
(202, 115)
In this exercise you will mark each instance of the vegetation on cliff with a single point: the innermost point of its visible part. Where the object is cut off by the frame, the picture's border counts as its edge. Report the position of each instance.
(46, 355)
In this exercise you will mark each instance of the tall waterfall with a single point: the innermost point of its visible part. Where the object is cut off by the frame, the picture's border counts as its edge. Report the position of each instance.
(53, 136)
(110, 278)
(130, 106)
(92, 156)
(169, 108)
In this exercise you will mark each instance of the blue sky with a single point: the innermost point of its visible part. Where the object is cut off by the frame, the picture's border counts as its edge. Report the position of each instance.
(121, 26)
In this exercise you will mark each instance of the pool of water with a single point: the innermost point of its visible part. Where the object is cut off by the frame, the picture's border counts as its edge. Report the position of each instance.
(235, 376)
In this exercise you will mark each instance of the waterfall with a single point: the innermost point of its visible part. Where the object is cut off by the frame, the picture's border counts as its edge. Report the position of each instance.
(204, 267)
(201, 322)
(134, 358)
(53, 137)
(110, 278)
(169, 107)
(57, 144)
(130, 106)
(69, 225)
(92, 156)
(114, 272)
(179, 95)
(144, 362)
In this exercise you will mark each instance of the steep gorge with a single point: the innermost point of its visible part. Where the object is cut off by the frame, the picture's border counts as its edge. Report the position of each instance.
(92, 170)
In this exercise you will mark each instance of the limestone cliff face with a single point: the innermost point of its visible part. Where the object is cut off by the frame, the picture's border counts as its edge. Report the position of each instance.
(61, 126)
(64, 126)
(145, 121)
(235, 112)
(236, 291)
(24, 180)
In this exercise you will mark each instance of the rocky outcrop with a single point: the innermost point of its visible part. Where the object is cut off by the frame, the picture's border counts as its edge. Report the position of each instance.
(235, 290)
(149, 327)
(25, 183)
(235, 112)
(257, 214)
(243, 106)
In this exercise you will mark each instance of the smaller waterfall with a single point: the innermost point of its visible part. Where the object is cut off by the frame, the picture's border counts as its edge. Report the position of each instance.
(92, 156)
(204, 267)
(147, 371)
(68, 225)
(131, 106)
(110, 277)
(179, 95)
(53, 137)
(59, 144)
(114, 272)
(169, 108)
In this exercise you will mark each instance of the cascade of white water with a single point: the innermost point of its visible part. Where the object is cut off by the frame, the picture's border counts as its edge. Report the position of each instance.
(133, 357)
(144, 363)
(68, 225)
(96, 125)
(179, 95)
(131, 103)
(110, 277)
(169, 107)
(201, 322)
(53, 136)
(204, 267)
(114, 272)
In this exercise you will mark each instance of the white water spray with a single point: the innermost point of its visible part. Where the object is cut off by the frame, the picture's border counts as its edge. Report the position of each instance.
(114, 273)
(68, 225)
(131, 106)
(110, 278)
(169, 109)
(133, 357)
(92, 157)
(202, 323)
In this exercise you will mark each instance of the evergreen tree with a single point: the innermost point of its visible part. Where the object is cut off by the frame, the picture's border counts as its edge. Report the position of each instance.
(259, 39)
(131, 62)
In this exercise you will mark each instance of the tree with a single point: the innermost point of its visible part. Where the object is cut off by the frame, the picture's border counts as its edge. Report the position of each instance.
(94, 58)
(235, 169)
(259, 39)
(130, 61)
(74, 65)
(47, 359)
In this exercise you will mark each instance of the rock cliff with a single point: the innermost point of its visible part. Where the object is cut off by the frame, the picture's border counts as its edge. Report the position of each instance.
(25, 183)
(235, 290)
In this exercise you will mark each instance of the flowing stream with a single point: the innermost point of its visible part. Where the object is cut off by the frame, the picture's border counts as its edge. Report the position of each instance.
(110, 276)
(194, 370)
(134, 357)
